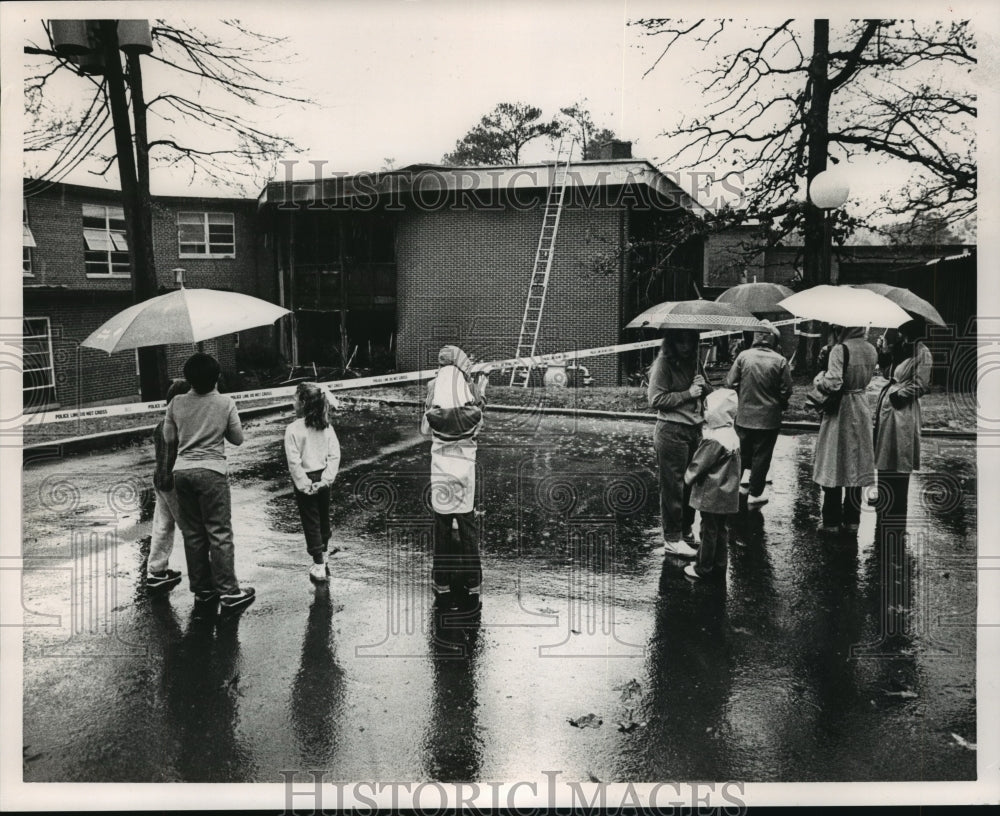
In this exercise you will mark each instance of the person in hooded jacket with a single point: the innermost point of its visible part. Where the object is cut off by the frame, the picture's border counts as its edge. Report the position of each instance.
(453, 418)
(897, 416)
(763, 380)
(676, 390)
(844, 461)
(714, 478)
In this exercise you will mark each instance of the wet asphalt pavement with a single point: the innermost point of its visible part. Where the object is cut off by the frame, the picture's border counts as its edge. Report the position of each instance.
(817, 659)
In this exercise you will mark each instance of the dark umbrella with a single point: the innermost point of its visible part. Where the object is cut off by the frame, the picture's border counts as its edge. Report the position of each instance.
(905, 299)
(700, 315)
(756, 298)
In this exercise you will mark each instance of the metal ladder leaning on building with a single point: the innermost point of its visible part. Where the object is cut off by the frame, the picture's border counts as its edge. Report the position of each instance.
(527, 341)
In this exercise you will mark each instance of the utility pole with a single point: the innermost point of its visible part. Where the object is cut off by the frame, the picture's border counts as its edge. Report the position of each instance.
(95, 46)
(815, 266)
(133, 172)
(818, 137)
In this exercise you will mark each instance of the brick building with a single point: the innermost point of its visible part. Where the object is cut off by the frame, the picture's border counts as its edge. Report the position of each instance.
(383, 269)
(76, 275)
(412, 259)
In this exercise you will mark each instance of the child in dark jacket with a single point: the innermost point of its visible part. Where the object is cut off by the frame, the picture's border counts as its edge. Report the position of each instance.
(166, 513)
(714, 478)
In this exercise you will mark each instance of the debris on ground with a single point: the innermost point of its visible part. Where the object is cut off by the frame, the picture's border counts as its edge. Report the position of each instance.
(906, 694)
(629, 725)
(586, 721)
(630, 689)
(963, 742)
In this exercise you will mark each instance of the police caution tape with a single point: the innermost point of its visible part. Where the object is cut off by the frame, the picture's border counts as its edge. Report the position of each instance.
(243, 397)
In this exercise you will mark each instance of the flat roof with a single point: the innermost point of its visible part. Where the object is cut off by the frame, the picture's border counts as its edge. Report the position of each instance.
(431, 179)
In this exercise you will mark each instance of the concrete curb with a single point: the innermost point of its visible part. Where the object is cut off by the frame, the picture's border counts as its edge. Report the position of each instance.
(106, 439)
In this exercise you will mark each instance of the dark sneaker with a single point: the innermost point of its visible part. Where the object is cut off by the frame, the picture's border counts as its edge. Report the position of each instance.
(208, 596)
(238, 601)
(165, 580)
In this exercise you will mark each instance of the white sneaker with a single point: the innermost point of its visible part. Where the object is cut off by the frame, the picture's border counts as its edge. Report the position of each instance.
(318, 572)
(756, 501)
(680, 548)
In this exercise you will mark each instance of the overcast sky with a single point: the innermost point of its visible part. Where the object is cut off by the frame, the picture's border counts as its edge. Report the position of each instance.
(404, 79)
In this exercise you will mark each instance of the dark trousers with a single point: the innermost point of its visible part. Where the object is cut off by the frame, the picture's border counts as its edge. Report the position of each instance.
(314, 510)
(675, 444)
(893, 488)
(456, 558)
(206, 523)
(713, 554)
(756, 450)
(841, 505)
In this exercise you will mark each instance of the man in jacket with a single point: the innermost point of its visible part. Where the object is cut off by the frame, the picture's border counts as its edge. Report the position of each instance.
(762, 378)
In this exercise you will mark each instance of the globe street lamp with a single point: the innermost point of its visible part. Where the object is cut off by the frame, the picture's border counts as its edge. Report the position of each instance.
(828, 191)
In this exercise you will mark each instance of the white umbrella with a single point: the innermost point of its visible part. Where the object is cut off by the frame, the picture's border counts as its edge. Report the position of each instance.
(184, 316)
(845, 306)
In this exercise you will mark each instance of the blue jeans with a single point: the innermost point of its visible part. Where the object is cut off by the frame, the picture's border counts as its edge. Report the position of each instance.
(675, 444)
(206, 522)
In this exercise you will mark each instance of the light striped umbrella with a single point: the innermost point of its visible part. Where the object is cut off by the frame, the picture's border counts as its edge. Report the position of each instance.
(700, 315)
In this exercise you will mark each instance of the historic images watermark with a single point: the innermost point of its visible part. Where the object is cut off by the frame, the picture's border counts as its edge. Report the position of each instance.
(309, 792)
(459, 189)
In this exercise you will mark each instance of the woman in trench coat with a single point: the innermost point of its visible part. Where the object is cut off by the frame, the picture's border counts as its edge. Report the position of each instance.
(845, 458)
(897, 418)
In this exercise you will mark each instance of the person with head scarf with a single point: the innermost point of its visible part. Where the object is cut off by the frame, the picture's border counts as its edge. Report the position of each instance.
(897, 416)
(763, 379)
(453, 418)
(845, 460)
(677, 390)
(714, 478)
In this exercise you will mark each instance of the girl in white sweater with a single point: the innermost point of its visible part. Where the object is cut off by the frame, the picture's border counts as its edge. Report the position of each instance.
(313, 453)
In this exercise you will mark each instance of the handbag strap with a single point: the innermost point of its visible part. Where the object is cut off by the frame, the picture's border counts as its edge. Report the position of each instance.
(847, 359)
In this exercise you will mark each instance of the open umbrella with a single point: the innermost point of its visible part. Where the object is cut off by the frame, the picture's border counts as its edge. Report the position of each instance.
(845, 306)
(184, 316)
(702, 315)
(905, 299)
(756, 298)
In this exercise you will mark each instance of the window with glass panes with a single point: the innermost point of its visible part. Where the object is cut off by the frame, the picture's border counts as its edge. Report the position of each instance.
(28, 241)
(206, 235)
(105, 247)
(38, 378)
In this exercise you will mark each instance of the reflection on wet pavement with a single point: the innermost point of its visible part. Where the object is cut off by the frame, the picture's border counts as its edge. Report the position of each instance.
(817, 659)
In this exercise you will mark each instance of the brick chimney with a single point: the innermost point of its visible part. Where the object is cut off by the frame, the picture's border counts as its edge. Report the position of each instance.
(615, 149)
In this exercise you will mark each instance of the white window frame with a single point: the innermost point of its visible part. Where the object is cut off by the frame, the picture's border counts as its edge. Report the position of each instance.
(113, 241)
(28, 243)
(228, 218)
(51, 359)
